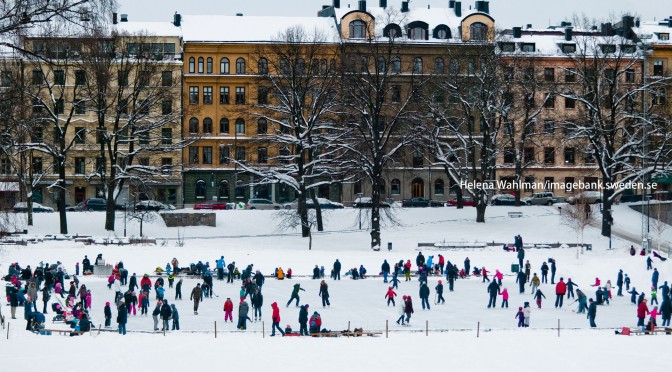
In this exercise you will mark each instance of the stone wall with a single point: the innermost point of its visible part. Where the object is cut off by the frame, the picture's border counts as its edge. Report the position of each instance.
(189, 219)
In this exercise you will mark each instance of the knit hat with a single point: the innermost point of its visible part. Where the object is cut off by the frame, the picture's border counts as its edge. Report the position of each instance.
(520, 308)
(107, 304)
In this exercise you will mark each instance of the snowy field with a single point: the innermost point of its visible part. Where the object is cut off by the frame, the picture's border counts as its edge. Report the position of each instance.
(251, 237)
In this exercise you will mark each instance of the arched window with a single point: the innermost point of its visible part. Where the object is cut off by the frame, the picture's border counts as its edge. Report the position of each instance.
(208, 65)
(192, 65)
(315, 67)
(323, 67)
(223, 192)
(381, 65)
(395, 187)
(392, 30)
(240, 190)
(357, 29)
(240, 66)
(200, 189)
(193, 125)
(396, 65)
(262, 126)
(224, 66)
(240, 126)
(439, 66)
(207, 126)
(438, 187)
(479, 31)
(262, 66)
(441, 32)
(224, 126)
(200, 65)
(417, 65)
(300, 66)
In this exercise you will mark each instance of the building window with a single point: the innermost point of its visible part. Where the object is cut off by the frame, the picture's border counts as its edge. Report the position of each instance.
(262, 155)
(438, 187)
(224, 95)
(240, 66)
(357, 29)
(224, 126)
(224, 66)
(262, 66)
(192, 65)
(589, 156)
(207, 95)
(549, 127)
(240, 95)
(80, 165)
(59, 77)
(439, 66)
(200, 189)
(80, 135)
(418, 159)
(528, 47)
(240, 190)
(395, 187)
(508, 47)
(549, 155)
(262, 126)
(167, 78)
(193, 95)
(144, 107)
(658, 67)
(240, 154)
(471, 67)
(207, 126)
(569, 155)
(509, 155)
(568, 48)
(207, 155)
(570, 75)
(166, 136)
(659, 97)
(262, 95)
(396, 65)
(417, 65)
(80, 77)
(122, 78)
(549, 74)
(166, 107)
(38, 77)
(240, 126)
(357, 187)
(166, 165)
(193, 125)
(570, 103)
(144, 77)
(224, 154)
(528, 155)
(479, 32)
(629, 75)
(193, 154)
(80, 107)
(208, 65)
(223, 192)
(442, 32)
(60, 106)
(550, 101)
(396, 93)
(608, 48)
(200, 65)
(417, 33)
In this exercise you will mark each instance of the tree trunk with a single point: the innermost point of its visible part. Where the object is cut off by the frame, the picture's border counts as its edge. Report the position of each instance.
(607, 218)
(318, 212)
(460, 198)
(375, 217)
(518, 179)
(109, 208)
(480, 206)
(29, 205)
(61, 199)
(141, 221)
(303, 213)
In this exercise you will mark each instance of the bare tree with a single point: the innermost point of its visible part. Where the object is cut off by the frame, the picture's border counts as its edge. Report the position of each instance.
(658, 224)
(577, 216)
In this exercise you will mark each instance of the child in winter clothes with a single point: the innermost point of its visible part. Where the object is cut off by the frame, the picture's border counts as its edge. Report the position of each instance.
(402, 312)
(171, 279)
(538, 296)
(633, 295)
(395, 281)
(108, 315)
(228, 310)
(654, 314)
(526, 313)
(88, 299)
(627, 282)
(521, 317)
(242, 294)
(654, 295)
(390, 296)
(144, 303)
(534, 283)
(505, 298)
(176, 317)
(608, 288)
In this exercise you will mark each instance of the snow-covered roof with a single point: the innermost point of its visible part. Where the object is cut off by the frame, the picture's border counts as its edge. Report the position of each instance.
(652, 32)
(549, 42)
(149, 28)
(218, 28)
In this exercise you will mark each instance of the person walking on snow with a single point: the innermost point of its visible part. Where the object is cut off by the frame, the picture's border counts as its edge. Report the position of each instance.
(521, 317)
(560, 291)
(493, 290)
(538, 296)
(395, 280)
(324, 294)
(649, 263)
(592, 312)
(439, 293)
(402, 311)
(521, 279)
(424, 295)
(505, 298)
(642, 311)
(570, 288)
(276, 320)
(197, 297)
(534, 283)
(544, 273)
(390, 296)
(654, 278)
(619, 283)
(553, 268)
(295, 294)
(408, 308)
(527, 311)
(521, 257)
(228, 310)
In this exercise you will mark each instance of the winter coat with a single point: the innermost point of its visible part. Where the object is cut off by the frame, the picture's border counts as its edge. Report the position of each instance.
(107, 311)
(156, 311)
(544, 268)
(259, 279)
(228, 305)
(303, 314)
(145, 281)
(276, 313)
(385, 267)
(315, 322)
(439, 288)
(197, 294)
(32, 292)
(521, 254)
(539, 295)
(337, 266)
(324, 291)
(166, 311)
(390, 293)
(122, 314)
(535, 281)
(527, 312)
(592, 309)
(493, 288)
(424, 291)
(176, 315)
(666, 309)
(560, 288)
(257, 300)
(642, 310)
(243, 309)
(408, 306)
(619, 279)
(45, 294)
(505, 294)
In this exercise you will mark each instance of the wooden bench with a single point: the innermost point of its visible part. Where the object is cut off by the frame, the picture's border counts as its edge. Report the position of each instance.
(637, 331)
(515, 214)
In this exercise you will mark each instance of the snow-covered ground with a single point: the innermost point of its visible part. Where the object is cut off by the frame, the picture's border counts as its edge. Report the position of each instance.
(251, 237)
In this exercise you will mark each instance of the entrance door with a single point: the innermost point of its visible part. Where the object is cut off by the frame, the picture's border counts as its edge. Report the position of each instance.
(418, 188)
(80, 194)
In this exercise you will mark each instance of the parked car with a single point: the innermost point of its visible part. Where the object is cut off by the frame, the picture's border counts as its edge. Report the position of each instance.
(98, 204)
(75, 208)
(589, 197)
(37, 208)
(421, 203)
(261, 204)
(467, 201)
(541, 198)
(324, 204)
(365, 202)
(212, 204)
(503, 199)
(153, 205)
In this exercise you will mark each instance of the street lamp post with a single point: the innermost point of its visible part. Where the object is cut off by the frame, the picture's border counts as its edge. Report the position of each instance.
(359, 196)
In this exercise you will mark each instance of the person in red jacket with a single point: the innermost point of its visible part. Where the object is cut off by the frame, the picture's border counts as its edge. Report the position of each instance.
(228, 310)
(390, 296)
(597, 283)
(560, 291)
(146, 283)
(442, 263)
(276, 320)
(642, 310)
(484, 273)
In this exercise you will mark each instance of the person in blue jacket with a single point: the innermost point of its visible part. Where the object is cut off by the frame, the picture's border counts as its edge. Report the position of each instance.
(220, 268)
(385, 269)
(362, 272)
(633, 295)
(592, 312)
(424, 295)
(654, 278)
(122, 317)
(176, 318)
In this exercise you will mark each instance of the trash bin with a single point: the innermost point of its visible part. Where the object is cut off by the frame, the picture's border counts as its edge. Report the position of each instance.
(389, 246)
(515, 268)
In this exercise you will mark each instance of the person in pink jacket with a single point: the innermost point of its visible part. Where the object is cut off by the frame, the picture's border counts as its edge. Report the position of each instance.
(653, 314)
(505, 298)
(88, 299)
(499, 276)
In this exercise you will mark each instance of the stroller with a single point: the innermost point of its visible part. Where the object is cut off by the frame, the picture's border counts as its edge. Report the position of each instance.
(60, 314)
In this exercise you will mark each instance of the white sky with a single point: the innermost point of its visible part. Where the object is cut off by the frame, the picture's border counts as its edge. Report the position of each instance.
(507, 13)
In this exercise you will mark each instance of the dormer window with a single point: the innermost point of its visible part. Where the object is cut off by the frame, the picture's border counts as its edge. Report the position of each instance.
(357, 29)
(479, 32)
(528, 47)
(442, 32)
(418, 30)
(608, 48)
(508, 47)
(568, 48)
(663, 37)
(628, 49)
(392, 31)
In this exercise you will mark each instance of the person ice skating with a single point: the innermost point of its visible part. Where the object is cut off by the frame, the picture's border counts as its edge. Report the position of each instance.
(257, 303)
(176, 318)
(521, 317)
(570, 288)
(527, 311)
(538, 295)
(493, 290)
(402, 311)
(521, 279)
(598, 283)
(303, 320)
(505, 298)
(654, 295)
(653, 314)
(442, 263)
(408, 308)
(122, 318)
(649, 262)
(243, 309)
(228, 310)
(337, 270)
(484, 273)
(553, 269)
(385, 269)
(166, 314)
(592, 312)
(276, 320)
(324, 294)
(395, 281)
(390, 296)
(499, 276)
(467, 265)
(583, 301)
(619, 283)
(424, 295)
(642, 311)
(295, 295)
(315, 323)
(654, 278)
(439, 293)
(407, 270)
(107, 311)
(528, 269)
(666, 312)
(220, 268)
(155, 315)
(544, 273)
(197, 297)
(534, 283)
(560, 291)
(521, 257)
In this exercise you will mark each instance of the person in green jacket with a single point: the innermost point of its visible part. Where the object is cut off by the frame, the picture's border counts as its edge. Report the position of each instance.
(295, 294)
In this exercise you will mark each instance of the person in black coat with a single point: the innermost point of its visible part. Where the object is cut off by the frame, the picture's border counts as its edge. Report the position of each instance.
(108, 314)
(13, 294)
(544, 273)
(303, 321)
(86, 264)
(178, 289)
(166, 314)
(592, 312)
(420, 260)
(385, 269)
(133, 283)
(46, 296)
(553, 268)
(259, 279)
(619, 283)
(521, 279)
(122, 317)
(570, 288)
(439, 293)
(316, 272)
(257, 303)
(467, 265)
(337, 270)
(493, 290)
(324, 294)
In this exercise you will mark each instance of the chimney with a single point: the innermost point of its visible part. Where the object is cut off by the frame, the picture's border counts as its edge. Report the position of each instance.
(669, 22)
(637, 24)
(529, 26)
(568, 34)
(114, 18)
(362, 5)
(404, 6)
(517, 32)
(177, 19)
(458, 9)
(124, 18)
(337, 3)
(451, 4)
(239, 14)
(482, 6)
(383, 3)
(606, 29)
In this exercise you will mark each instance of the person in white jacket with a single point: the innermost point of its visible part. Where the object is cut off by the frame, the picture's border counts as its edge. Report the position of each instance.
(526, 314)
(402, 312)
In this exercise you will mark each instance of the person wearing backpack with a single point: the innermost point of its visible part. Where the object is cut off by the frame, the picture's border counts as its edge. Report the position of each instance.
(315, 323)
